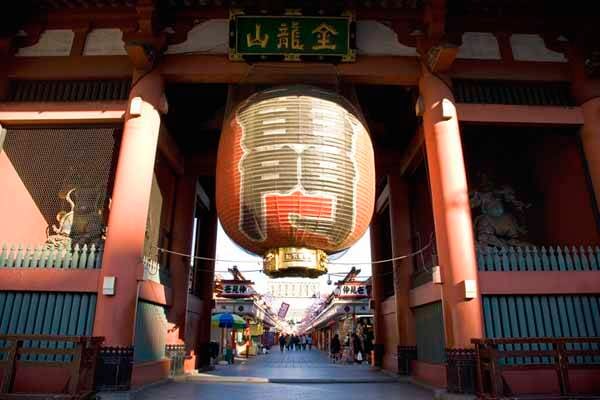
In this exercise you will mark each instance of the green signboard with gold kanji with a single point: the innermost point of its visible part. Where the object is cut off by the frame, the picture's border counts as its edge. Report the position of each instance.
(292, 37)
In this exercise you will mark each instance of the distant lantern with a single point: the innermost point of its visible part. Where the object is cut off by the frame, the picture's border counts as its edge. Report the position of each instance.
(295, 178)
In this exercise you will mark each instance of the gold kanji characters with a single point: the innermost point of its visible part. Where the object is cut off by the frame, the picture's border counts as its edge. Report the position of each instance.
(285, 37)
(256, 40)
(325, 38)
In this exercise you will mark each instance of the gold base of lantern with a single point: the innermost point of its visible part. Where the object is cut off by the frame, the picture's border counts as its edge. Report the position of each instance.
(294, 262)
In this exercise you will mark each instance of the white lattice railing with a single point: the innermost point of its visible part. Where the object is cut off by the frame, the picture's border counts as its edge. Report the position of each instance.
(533, 258)
(78, 257)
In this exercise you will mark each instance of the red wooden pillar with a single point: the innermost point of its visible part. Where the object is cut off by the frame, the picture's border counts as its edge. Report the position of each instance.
(461, 300)
(5, 49)
(115, 314)
(182, 233)
(376, 298)
(590, 140)
(402, 244)
(586, 91)
(205, 288)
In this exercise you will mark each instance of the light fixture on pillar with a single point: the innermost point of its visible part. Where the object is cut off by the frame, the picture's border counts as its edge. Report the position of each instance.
(419, 107)
(436, 274)
(135, 107)
(295, 178)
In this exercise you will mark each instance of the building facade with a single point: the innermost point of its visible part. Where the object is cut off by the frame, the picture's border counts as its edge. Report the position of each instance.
(485, 122)
(237, 296)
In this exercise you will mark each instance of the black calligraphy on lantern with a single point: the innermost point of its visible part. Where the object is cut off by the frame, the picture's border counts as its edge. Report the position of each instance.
(298, 146)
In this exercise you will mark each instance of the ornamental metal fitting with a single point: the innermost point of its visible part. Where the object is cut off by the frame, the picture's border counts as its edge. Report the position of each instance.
(294, 262)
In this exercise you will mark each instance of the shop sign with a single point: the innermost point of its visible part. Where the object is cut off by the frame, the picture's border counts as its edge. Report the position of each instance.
(292, 37)
(236, 290)
(283, 309)
(353, 290)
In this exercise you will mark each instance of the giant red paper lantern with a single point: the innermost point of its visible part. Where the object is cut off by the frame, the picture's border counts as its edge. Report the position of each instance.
(295, 178)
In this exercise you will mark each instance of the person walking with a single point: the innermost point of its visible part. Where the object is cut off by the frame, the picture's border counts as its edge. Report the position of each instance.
(281, 342)
(303, 342)
(357, 348)
(288, 342)
(334, 348)
(309, 342)
(368, 346)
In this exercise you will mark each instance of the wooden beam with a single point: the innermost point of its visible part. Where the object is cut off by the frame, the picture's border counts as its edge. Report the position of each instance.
(204, 164)
(539, 282)
(156, 293)
(516, 71)
(413, 153)
(218, 69)
(73, 67)
(513, 114)
(49, 279)
(170, 150)
(202, 69)
(376, 70)
(425, 294)
(44, 113)
(382, 70)
(383, 199)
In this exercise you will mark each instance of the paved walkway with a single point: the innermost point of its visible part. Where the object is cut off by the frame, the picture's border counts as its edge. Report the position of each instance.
(304, 375)
(297, 367)
(274, 391)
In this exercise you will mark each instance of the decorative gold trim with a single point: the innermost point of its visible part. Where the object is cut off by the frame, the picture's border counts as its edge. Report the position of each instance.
(294, 262)
(293, 11)
(350, 56)
(234, 12)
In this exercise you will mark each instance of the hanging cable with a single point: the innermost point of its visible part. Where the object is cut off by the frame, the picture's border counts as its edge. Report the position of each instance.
(414, 253)
(162, 250)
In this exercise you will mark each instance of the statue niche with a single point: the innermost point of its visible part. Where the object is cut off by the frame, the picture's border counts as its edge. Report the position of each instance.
(61, 234)
(498, 223)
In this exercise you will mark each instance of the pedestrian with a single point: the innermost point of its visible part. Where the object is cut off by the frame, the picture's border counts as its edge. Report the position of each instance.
(368, 347)
(288, 342)
(309, 342)
(296, 343)
(303, 342)
(357, 348)
(281, 342)
(334, 348)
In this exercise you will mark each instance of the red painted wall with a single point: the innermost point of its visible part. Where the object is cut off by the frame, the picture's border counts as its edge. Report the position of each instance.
(582, 381)
(390, 340)
(149, 372)
(37, 379)
(22, 221)
(567, 207)
(429, 373)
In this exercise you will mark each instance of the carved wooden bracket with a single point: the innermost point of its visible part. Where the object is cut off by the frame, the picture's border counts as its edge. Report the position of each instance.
(439, 58)
(145, 45)
(438, 48)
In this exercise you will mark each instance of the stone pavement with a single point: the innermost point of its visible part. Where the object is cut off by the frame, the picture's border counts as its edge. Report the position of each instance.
(297, 367)
(275, 391)
(287, 376)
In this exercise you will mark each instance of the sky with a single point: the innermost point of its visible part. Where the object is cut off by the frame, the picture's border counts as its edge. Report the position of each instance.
(360, 252)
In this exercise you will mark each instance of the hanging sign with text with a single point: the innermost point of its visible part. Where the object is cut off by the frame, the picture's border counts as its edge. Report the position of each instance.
(236, 290)
(283, 310)
(352, 290)
(292, 38)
